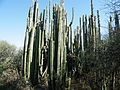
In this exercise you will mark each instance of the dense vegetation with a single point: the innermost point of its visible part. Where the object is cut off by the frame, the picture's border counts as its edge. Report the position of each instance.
(10, 65)
(55, 59)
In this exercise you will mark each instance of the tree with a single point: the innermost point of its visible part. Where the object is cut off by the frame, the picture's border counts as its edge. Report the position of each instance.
(17, 62)
(7, 51)
(113, 5)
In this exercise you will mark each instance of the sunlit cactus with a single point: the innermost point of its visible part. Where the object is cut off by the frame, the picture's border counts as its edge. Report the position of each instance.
(110, 28)
(47, 45)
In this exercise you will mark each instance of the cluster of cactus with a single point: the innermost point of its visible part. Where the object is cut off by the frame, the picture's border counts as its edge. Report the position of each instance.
(47, 52)
(57, 47)
(42, 53)
(114, 31)
(34, 45)
(87, 35)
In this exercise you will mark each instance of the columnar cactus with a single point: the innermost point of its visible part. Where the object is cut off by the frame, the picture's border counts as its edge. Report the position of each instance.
(98, 17)
(80, 34)
(57, 45)
(116, 21)
(31, 39)
(25, 52)
(110, 28)
(34, 45)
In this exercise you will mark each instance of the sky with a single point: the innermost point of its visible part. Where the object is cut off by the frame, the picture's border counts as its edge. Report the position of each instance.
(13, 16)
